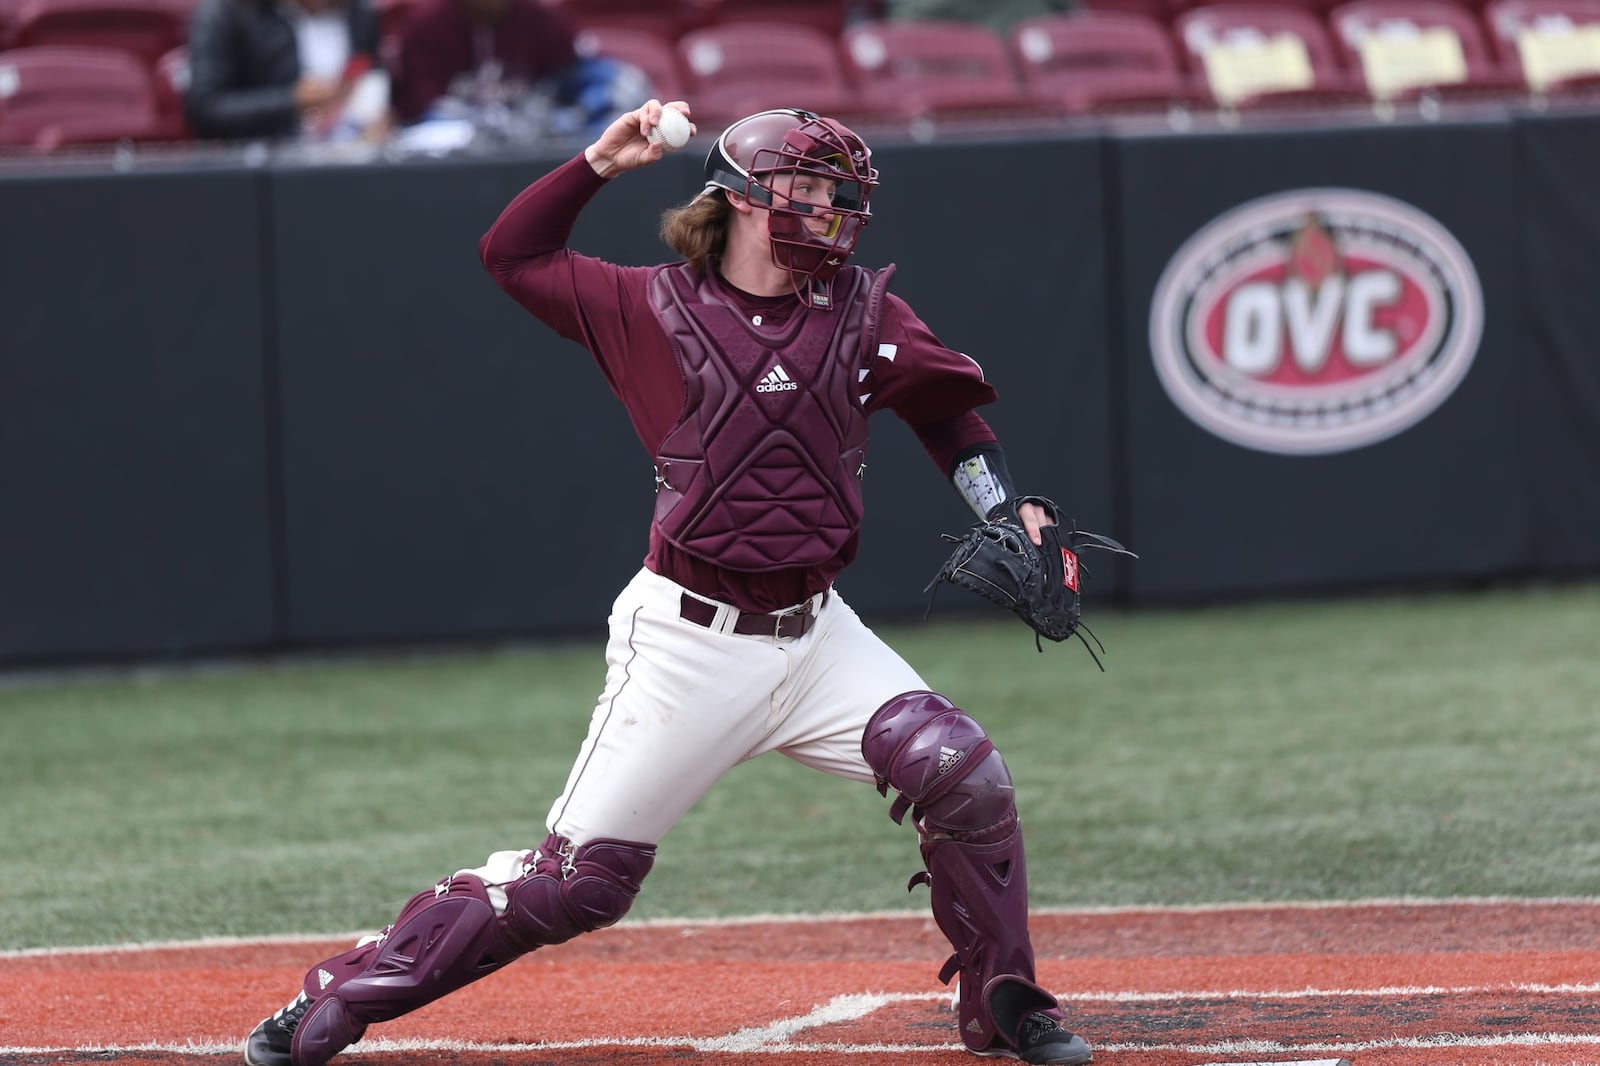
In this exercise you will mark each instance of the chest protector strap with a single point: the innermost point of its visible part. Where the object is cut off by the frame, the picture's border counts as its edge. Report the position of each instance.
(762, 470)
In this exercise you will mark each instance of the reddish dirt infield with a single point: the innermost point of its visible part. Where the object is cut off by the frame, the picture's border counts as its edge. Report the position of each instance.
(1379, 984)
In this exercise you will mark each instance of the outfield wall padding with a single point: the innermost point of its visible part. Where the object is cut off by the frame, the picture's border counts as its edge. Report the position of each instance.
(1558, 367)
(1443, 499)
(451, 468)
(269, 405)
(136, 508)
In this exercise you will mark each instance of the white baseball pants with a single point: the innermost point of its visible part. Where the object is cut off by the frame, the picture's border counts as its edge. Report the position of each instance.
(685, 703)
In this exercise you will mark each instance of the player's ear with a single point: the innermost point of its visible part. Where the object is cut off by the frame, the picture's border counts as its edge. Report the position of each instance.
(739, 202)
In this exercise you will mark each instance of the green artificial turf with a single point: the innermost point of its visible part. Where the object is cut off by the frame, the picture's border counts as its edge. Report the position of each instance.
(1437, 745)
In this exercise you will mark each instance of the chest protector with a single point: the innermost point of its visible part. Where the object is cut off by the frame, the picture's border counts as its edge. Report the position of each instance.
(762, 471)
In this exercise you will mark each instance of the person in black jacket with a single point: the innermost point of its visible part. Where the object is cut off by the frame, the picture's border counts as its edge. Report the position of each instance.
(264, 69)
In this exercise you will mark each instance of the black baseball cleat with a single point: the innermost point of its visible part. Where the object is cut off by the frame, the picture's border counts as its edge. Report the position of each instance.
(1042, 1040)
(269, 1042)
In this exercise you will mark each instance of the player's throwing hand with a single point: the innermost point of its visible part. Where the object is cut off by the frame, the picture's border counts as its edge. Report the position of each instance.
(626, 143)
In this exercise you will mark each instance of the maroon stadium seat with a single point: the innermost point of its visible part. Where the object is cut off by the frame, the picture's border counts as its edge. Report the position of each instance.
(1400, 48)
(934, 68)
(1097, 61)
(738, 68)
(1160, 10)
(666, 19)
(148, 29)
(1552, 46)
(1258, 55)
(52, 96)
(650, 52)
(828, 16)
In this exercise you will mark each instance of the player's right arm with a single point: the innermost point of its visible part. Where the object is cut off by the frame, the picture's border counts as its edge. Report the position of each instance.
(526, 252)
(584, 299)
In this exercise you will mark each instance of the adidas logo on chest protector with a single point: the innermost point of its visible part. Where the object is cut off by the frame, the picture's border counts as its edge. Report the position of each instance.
(777, 380)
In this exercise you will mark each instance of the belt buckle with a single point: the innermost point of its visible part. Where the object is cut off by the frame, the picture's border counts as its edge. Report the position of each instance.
(788, 612)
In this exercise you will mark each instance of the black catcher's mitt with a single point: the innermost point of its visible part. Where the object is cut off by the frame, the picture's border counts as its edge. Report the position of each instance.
(1038, 583)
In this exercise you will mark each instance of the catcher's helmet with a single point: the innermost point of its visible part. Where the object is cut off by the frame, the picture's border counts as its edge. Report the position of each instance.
(754, 152)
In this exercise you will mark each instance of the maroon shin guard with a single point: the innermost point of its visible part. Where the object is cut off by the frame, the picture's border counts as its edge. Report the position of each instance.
(443, 938)
(449, 936)
(980, 903)
(959, 792)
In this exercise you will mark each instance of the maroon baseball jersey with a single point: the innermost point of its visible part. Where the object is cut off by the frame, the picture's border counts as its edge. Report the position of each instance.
(606, 308)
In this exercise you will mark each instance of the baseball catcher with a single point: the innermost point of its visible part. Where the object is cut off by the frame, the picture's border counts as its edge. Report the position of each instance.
(749, 367)
(1040, 582)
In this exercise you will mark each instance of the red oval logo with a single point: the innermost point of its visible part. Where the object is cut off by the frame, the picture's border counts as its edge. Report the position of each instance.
(1315, 321)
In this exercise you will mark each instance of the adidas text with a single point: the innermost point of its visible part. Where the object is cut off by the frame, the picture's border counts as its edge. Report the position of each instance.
(777, 380)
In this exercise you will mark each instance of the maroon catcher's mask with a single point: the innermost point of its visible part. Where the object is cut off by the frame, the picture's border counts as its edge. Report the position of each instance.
(755, 152)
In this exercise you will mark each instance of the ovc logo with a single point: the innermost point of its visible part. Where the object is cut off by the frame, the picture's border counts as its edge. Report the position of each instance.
(1315, 321)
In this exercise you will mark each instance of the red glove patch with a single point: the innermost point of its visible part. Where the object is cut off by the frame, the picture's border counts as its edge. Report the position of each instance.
(1069, 569)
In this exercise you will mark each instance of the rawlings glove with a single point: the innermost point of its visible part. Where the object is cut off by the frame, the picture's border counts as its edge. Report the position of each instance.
(1039, 583)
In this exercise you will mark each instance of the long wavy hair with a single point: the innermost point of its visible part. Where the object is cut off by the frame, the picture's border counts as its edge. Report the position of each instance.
(698, 230)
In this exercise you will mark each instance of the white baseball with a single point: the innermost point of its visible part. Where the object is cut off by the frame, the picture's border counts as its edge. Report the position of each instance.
(673, 128)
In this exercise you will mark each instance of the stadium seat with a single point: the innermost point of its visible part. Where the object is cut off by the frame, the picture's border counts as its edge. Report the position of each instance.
(934, 68)
(147, 29)
(826, 16)
(1400, 48)
(1552, 46)
(738, 68)
(1259, 55)
(651, 53)
(1088, 61)
(53, 96)
(1163, 11)
(667, 19)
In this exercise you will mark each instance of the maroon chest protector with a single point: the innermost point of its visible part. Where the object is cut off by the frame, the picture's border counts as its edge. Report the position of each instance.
(762, 472)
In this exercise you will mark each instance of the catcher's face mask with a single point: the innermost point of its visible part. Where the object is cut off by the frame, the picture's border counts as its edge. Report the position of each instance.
(814, 176)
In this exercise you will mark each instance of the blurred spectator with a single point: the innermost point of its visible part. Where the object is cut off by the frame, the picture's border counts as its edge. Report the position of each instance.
(270, 69)
(998, 15)
(477, 49)
(503, 71)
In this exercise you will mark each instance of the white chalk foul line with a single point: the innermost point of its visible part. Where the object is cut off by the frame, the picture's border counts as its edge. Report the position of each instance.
(838, 1009)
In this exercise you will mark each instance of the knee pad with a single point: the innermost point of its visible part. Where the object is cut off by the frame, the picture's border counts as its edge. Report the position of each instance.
(575, 889)
(942, 766)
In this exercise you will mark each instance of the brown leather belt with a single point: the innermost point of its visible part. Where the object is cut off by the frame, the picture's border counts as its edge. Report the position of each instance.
(782, 625)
